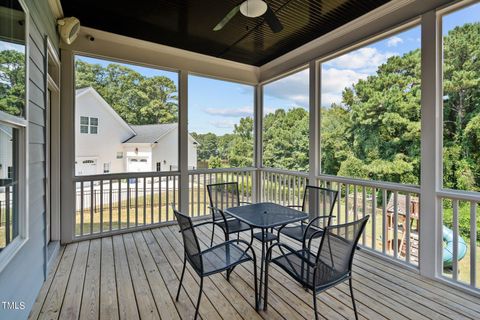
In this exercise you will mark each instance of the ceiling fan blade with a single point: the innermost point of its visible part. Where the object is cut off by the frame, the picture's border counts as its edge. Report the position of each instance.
(227, 18)
(272, 20)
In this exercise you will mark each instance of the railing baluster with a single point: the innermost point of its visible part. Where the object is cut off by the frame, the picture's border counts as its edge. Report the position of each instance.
(455, 240)
(374, 218)
(144, 200)
(355, 208)
(7, 215)
(364, 208)
(198, 195)
(160, 199)
(82, 193)
(175, 191)
(136, 202)
(119, 205)
(407, 228)
(91, 206)
(110, 202)
(167, 195)
(152, 200)
(191, 178)
(101, 206)
(473, 244)
(339, 201)
(384, 221)
(128, 203)
(205, 194)
(395, 224)
(347, 196)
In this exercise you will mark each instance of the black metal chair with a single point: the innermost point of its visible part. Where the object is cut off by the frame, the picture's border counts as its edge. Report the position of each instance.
(221, 257)
(318, 203)
(331, 265)
(223, 196)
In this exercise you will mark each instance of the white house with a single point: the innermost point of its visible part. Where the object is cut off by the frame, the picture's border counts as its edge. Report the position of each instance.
(105, 143)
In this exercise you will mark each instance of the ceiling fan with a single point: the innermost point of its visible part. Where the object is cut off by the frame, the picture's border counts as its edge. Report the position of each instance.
(253, 9)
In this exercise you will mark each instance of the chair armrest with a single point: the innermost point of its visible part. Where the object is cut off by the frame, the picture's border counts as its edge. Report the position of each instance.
(310, 225)
(312, 236)
(295, 252)
(294, 206)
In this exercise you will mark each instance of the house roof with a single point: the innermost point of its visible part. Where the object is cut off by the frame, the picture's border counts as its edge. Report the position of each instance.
(150, 133)
(99, 98)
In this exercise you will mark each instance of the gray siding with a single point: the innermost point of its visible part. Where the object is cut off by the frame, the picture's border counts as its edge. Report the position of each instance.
(22, 279)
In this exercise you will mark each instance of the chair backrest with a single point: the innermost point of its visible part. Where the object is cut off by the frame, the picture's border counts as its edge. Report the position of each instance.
(223, 196)
(190, 240)
(319, 201)
(338, 245)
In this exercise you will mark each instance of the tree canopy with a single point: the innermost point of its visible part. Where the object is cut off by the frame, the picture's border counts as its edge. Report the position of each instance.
(373, 133)
(138, 99)
(12, 82)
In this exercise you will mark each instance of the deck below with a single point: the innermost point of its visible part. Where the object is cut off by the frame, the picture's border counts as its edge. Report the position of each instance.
(135, 276)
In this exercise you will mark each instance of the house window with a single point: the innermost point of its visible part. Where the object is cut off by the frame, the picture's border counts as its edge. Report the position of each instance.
(83, 124)
(86, 122)
(119, 155)
(106, 167)
(13, 132)
(9, 205)
(159, 166)
(93, 125)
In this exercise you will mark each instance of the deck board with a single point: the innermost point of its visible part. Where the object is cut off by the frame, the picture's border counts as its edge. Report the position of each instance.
(135, 276)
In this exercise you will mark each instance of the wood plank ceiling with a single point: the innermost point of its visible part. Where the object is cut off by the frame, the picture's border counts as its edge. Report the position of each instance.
(188, 24)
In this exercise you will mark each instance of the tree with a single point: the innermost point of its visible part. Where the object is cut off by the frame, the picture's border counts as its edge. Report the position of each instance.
(285, 140)
(136, 98)
(12, 82)
(240, 153)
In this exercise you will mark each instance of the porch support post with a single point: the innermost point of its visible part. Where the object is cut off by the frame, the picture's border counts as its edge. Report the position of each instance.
(257, 144)
(314, 122)
(183, 141)
(67, 153)
(431, 146)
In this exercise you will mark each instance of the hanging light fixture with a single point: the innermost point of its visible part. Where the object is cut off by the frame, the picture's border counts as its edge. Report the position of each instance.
(253, 8)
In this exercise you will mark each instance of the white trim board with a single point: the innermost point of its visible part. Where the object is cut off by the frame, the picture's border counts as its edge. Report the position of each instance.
(130, 50)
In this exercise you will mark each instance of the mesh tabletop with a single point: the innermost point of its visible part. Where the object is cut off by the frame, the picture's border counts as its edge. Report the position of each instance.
(266, 214)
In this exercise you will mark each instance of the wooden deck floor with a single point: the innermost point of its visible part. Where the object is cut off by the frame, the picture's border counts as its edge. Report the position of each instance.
(135, 276)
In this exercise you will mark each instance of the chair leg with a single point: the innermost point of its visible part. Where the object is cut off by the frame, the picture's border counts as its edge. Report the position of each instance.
(315, 304)
(265, 295)
(199, 297)
(353, 299)
(255, 281)
(213, 234)
(181, 278)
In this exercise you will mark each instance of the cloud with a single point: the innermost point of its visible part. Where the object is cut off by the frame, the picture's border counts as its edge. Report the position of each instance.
(394, 41)
(223, 124)
(246, 111)
(335, 80)
(364, 60)
(293, 88)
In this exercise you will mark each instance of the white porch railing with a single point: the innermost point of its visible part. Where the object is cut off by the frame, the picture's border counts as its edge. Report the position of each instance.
(393, 226)
(199, 179)
(460, 251)
(112, 203)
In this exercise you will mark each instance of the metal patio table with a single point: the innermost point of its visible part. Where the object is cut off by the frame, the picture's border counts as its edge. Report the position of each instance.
(264, 216)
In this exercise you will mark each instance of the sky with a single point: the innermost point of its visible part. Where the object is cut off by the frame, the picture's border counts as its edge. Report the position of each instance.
(216, 106)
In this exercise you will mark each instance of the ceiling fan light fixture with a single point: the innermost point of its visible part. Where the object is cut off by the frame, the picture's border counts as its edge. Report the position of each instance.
(253, 8)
